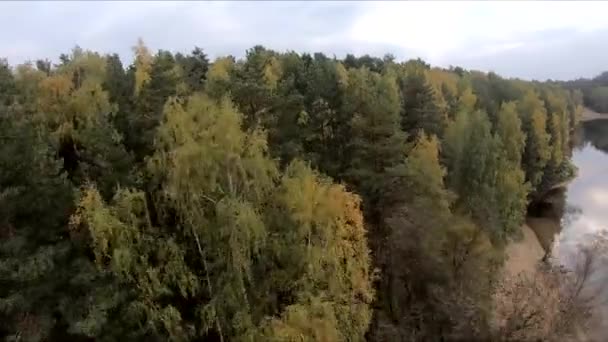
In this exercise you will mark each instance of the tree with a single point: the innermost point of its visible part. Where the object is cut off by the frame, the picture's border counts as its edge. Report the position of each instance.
(8, 88)
(48, 285)
(119, 87)
(489, 185)
(511, 188)
(75, 109)
(27, 81)
(327, 125)
(537, 152)
(467, 100)
(555, 302)
(195, 67)
(420, 108)
(218, 77)
(558, 168)
(321, 239)
(254, 86)
(177, 199)
(288, 117)
(246, 251)
(510, 132)
(162, 80)
(143, 65)
(598, 98)
(377, 143)
(430, 258)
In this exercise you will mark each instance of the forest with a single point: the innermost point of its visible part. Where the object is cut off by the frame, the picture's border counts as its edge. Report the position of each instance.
(281, 196)
(594, 91)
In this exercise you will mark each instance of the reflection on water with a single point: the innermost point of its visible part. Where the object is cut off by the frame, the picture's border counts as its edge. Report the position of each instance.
(585, 209)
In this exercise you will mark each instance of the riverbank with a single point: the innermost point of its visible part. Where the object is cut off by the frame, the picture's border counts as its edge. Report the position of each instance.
(542, 226)
(524, 255)
(590, 115)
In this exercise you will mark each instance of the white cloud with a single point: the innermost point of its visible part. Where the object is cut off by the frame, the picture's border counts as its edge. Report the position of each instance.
(437, 29)
(509, 37)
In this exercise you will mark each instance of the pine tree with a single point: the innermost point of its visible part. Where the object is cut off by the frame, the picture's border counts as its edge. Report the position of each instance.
(119, 87)
(8, 88)
(162, 80)
(430, 257)
(195, 67)
(48, 284)
(253, 87)
(420, 108)
(327, 124)
(377, 141)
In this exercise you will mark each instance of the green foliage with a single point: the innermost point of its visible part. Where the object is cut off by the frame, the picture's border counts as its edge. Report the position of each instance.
(377, 143)
(511, 188)
(436, 267)
(195, 67)
(558, 167)
(36, 259)
(420, 108)
(218, 77)
(422, 176)
(227, 233)
(508, 128)
(326, 268)
(206, 211)
(8, 88)
(537, 151)
(328, 124)
(484, 172)
(161, 82)
(597, 98)
(119, 86)
(76, 111)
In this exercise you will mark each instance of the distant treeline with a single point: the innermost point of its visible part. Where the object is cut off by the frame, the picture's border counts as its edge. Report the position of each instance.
(595, 91)
(277, 197)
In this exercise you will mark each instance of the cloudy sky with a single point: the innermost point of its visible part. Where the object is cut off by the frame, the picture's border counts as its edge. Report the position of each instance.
(558, 40)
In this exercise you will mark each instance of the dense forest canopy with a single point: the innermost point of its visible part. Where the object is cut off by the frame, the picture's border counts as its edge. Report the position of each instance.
(277, 197)
(594, 91)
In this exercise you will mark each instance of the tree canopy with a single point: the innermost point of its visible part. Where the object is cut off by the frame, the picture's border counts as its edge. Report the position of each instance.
(275, 197)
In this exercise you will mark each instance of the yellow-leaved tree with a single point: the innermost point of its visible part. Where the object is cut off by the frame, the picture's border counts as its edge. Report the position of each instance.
(236, 249)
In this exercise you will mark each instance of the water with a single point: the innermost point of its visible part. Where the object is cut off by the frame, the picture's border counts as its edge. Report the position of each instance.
(583, 206)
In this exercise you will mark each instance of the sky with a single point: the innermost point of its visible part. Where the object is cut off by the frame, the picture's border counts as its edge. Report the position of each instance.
(530, 40)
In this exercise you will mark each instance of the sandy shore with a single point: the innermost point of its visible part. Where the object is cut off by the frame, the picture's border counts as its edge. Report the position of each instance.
(524, 255)
(590, 114)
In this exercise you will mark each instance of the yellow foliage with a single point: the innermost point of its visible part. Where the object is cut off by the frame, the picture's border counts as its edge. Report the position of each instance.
(313, 322)
(272, 72)
(467, 99)
(342, 75)
(85, 66)
(218, 77)
(66, 109)
(143, 65)
(329, 219)
(437, 78)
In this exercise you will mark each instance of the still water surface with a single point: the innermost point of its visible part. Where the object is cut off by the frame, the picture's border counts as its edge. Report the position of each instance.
(582, 209)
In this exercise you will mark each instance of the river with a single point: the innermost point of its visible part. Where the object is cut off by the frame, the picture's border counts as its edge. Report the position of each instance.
(568, 217)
